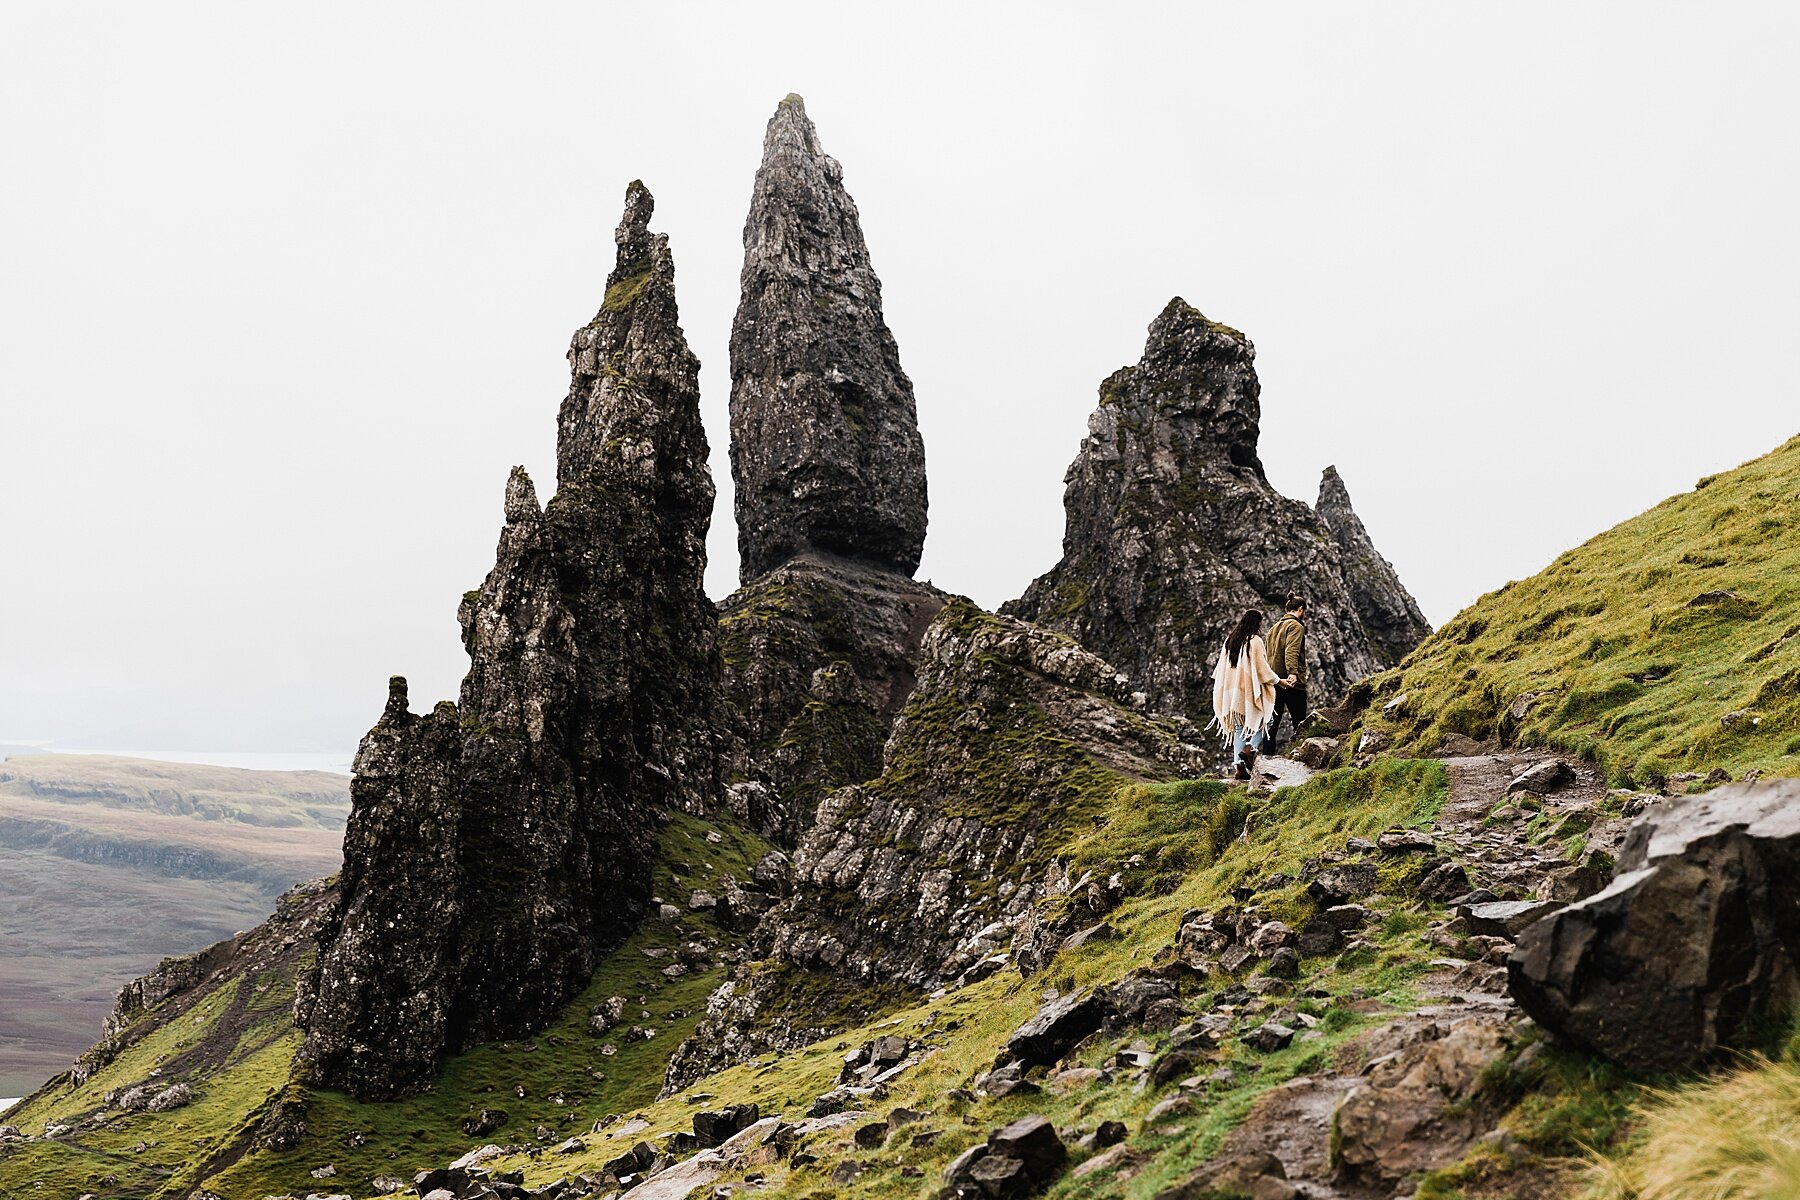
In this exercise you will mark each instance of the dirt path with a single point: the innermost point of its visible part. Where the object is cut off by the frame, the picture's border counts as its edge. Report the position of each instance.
(1465, 1015)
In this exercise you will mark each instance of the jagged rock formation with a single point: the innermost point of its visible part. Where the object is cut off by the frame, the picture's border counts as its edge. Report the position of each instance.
(1173, 531)
(1692, 947)
(1389, 614)
(499, 845)
(825, 446)
(820, 654)
(822, 640)
(1013, 736)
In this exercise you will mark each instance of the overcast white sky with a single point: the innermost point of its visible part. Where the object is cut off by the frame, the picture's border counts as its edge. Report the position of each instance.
(286, 289)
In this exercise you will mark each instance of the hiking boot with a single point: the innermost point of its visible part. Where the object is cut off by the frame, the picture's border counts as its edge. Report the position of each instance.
(1242, 774)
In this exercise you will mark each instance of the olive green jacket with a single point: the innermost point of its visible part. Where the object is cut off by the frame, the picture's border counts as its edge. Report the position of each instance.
(1287, 649)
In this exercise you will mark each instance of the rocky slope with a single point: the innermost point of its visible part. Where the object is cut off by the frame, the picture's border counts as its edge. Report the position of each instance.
(498, 847)
(1173, 532)
(932, 871)
(1022, 943)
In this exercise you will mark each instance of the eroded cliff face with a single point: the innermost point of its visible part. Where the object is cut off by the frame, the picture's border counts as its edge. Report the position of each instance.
(1013, 737)
(1173, 530)
(821, 642)
(820, 654)
(499, 845)
(825, 445)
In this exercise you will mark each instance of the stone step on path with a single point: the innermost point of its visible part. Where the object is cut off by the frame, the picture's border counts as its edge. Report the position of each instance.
(1458, 1024)
(1274, 772)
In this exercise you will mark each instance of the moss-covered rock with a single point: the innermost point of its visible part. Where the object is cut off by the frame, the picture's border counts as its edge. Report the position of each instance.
(1014, 740)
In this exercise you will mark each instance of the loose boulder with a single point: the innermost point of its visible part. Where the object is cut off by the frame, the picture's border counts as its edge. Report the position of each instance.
(1693, 938)
(1018, 1160)
(1055, 1029)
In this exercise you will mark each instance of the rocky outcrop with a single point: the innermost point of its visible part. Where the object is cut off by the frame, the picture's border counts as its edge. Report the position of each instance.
(1390, 616)
(1013, 738)
(825, 446)
(1173, 530)
(820, 654)
(498, 846)
(1692, 948)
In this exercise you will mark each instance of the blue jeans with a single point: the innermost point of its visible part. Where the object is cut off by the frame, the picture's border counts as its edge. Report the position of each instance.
(1238, 736)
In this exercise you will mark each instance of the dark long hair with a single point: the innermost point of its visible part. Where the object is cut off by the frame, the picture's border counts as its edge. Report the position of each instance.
(1242, 632)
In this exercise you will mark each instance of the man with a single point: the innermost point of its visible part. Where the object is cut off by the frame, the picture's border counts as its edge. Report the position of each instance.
(1287, 654)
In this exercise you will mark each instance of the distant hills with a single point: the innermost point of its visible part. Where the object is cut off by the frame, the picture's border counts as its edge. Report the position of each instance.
(108, 864)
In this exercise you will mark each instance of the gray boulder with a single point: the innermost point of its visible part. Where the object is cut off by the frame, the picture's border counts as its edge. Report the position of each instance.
(1692, 943)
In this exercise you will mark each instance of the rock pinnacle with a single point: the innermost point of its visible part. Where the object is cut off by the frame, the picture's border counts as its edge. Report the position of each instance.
(825, 445)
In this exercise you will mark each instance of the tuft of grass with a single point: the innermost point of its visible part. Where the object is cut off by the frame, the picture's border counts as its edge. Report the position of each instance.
(1736, 1137)
(1670, 642)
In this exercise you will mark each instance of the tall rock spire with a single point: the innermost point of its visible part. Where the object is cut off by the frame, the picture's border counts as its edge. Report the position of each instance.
(497, 847)
(1389, 613)
(825, 445)
(1173, 531)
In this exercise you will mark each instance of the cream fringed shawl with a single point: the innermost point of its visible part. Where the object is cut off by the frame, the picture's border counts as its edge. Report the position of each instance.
(1244, 693)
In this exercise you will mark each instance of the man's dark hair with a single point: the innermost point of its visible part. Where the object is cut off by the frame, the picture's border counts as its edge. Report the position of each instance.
(1295, 601)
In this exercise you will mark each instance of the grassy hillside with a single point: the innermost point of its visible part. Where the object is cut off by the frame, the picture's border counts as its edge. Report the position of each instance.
(1188, 834)
(109, 864)
(1669, 643)
(234, 1041)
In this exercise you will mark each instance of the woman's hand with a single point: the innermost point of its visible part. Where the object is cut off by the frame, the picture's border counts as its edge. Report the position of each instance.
(1290, 681)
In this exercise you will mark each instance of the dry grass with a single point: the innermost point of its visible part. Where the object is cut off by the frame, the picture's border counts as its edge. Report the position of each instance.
(1736, 1137)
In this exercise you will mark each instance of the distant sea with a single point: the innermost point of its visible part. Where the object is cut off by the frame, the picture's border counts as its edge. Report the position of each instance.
(269, 760)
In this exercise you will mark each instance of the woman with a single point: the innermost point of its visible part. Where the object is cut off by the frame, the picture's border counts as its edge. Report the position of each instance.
(1244, 691)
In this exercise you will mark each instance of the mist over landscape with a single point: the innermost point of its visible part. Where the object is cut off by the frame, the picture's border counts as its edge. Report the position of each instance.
(1187, 603)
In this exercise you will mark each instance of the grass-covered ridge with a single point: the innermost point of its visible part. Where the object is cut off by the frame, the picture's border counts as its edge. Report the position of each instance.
(1668, 643)
(1199, 840)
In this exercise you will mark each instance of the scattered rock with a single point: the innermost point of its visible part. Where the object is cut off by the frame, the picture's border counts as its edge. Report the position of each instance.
(1228, 1175)
(1413, 1112)
(484, 1122)
(1093, 933)
(1444, 883)
(1342, 884)
(1018, 1160)
(1543, 778)
(714, 1127)
(1269, 1036)
(1505, 918)
(1316, 752)
(1056, 1029)
(1405, 841)
(1168, 1110)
